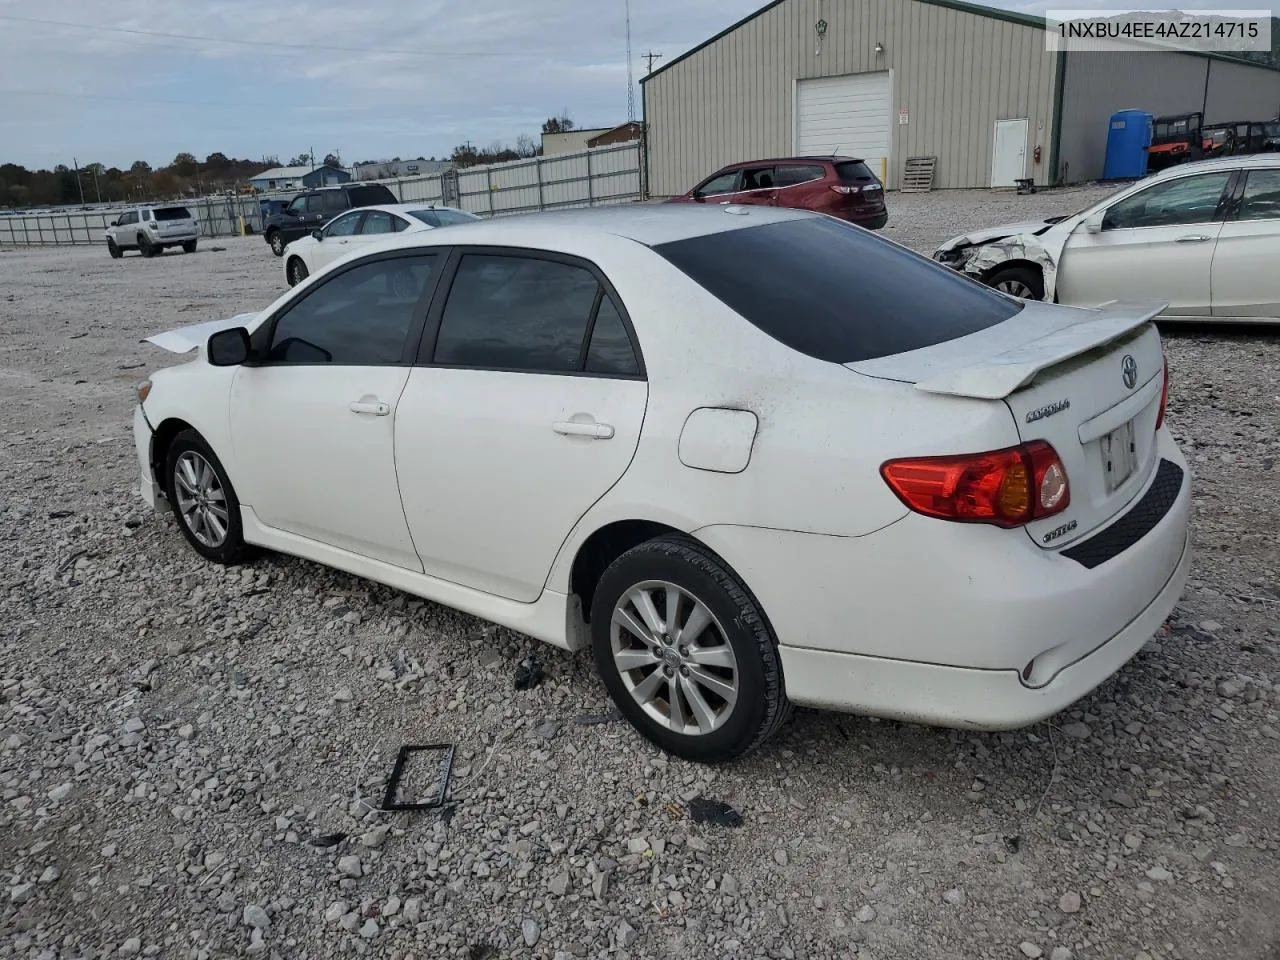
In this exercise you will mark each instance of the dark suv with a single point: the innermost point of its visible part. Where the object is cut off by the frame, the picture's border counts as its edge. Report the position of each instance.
(313, 209)
(843, 187)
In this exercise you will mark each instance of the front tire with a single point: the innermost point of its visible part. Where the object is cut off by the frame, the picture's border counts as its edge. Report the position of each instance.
(1022, 282)
(686, 652)
(189, 247)
(203, 500)
(116, 252)
(277, 243)
(297, 271)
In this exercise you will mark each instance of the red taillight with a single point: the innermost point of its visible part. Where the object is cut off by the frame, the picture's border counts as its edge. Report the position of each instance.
(1164, 396)
(1007, 487)
(844, 188)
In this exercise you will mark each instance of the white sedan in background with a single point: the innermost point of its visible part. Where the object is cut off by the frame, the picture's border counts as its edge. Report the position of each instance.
(359, 228)
(852, 479)
(1205, 236)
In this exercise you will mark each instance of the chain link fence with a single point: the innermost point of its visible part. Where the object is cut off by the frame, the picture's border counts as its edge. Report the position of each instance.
(585, 178)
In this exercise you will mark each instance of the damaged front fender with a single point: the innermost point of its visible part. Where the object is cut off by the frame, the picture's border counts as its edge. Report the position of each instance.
(988, 257)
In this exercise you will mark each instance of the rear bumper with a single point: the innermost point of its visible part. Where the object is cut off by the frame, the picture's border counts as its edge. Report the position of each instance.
(871, 220)
(958, 624)
(964, 698)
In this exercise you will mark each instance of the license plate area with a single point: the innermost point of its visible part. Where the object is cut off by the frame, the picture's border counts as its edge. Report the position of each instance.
(1119, 455)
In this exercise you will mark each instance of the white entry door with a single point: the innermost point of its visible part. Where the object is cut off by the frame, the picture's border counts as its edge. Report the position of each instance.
(846, 115)
(1009, 154)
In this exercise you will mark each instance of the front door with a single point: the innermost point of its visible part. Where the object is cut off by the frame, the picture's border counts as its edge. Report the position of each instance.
(1155, 244)
(1243, 277)
(525, 411)
(1009, 154)
(312, 423)
(338, 234)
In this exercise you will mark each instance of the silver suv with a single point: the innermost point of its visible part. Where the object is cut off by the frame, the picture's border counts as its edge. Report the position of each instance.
(150, 229)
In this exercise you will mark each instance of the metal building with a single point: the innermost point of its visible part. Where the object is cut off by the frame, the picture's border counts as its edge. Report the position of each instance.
(885, 80)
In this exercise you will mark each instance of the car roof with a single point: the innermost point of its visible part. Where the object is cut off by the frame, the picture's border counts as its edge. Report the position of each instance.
(829, 158)
(650, 224)
(1245, 161)
(407, 208)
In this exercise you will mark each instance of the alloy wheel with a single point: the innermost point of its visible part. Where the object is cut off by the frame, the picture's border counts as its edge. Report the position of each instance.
(1016, 288)
(202, 503)
(674, 658)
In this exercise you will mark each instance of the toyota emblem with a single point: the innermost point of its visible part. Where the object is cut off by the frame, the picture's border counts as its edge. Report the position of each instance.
(1129, 371)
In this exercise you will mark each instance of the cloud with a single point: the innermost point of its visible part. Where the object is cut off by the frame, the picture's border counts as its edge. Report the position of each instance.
(377, 78)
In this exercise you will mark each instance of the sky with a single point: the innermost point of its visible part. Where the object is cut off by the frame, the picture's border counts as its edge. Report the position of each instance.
(114, 81)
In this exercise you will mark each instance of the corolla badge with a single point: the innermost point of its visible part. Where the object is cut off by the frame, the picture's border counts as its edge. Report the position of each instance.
(1129, 371)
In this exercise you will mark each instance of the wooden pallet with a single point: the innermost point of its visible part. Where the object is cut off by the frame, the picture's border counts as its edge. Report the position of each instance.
(917, 175)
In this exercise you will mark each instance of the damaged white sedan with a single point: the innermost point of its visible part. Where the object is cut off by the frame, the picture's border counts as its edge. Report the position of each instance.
(1204, 236)
(854, 480)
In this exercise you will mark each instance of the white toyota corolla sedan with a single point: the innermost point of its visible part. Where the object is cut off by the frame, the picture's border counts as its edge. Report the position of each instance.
(360, 229)
(751, 457)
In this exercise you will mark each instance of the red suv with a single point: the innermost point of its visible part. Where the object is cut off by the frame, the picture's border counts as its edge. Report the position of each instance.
(841, 186)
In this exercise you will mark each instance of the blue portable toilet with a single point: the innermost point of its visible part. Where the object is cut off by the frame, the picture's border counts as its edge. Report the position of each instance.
(1128, 136)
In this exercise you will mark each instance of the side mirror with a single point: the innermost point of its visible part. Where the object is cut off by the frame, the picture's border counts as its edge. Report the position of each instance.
(317, 234)
(1094, 223)
(229, 348)
(114, 223)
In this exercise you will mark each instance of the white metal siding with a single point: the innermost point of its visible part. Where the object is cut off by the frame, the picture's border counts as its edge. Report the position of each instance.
(844, 115)
(955, 73)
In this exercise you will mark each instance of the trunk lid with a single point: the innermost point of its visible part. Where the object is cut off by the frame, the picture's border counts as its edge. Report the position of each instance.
(1087, 381)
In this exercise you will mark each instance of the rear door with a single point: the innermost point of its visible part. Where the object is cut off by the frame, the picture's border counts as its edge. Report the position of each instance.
(1157, 244)
(756, 187)
(1245, 282)
(801, 185)
(528, 369)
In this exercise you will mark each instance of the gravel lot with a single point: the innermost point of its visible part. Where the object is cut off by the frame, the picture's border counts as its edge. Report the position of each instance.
(190, 757)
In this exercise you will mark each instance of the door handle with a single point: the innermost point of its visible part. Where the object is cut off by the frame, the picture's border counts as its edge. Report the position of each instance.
(571, 428)
(371, 408)
(1192, 238)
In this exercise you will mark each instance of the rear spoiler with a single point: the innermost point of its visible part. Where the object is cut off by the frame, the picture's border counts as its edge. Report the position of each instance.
(1003, 373)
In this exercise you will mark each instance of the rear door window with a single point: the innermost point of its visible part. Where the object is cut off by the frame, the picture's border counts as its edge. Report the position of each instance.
(517, 313)
(376, 221)
(790, 174)
(334, 201)
(835, 292)
(1261, 200)
(315, 204)
(756, 178)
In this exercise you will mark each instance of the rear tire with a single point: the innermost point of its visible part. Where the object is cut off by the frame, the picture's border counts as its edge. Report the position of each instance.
(116, 252)
(145, 246)
(296, 271)
(277, 243)
(1023, 282)
(189, 247)
(726, 679)
(203, 500)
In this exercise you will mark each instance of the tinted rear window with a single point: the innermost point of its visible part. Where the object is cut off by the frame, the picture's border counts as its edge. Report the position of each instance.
(442, 218)
(371, 195)
(854, 171)
(171, 213)
(836, 292)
